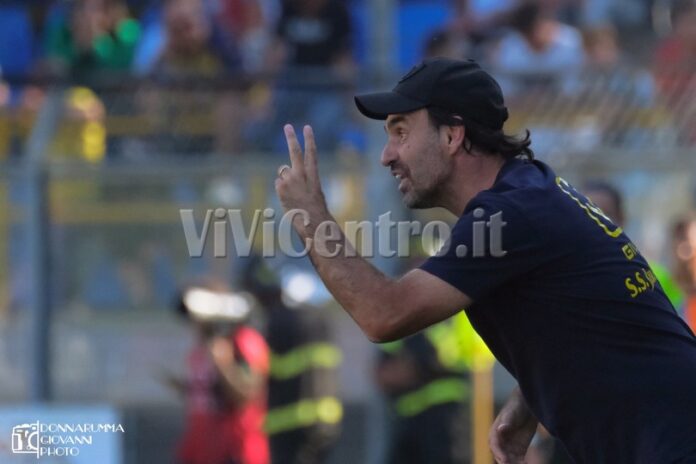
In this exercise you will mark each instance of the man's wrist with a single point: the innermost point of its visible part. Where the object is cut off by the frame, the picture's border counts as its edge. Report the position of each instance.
(314, 220)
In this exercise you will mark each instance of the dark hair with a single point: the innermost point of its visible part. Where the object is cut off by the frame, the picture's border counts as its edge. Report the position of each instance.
(606, 188)
(482, 137)
(525, 17)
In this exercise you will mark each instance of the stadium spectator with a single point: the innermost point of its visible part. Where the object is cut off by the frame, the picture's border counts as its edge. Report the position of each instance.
(187, 51)
(182, 101)
(92, 36)
(675, 66)
(314, 33)
(248, 24)
(237, 32)
(609, 80)
(313, 54)
(601, 49)
(623, 13)
(539, 51)
(675, 58)
(481, 19)
(487, 19)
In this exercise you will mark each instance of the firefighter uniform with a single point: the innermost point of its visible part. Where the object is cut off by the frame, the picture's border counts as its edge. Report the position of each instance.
(304, 411)
(432, 403)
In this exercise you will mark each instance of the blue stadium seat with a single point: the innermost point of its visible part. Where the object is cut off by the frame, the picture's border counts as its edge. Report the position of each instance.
(416, 20)
(16, 40)
(359, 18)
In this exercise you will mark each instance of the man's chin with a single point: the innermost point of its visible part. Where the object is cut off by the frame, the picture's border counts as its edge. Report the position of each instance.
(414, 202)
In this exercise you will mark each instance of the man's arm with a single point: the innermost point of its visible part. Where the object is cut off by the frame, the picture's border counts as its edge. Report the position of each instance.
(384, 308)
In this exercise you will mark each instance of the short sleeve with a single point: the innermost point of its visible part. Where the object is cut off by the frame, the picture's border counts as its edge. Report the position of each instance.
(491, 245)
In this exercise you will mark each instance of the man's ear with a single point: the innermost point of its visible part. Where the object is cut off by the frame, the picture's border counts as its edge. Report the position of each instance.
(454, 138)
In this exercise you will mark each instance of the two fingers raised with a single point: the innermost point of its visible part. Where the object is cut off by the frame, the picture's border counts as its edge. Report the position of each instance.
(307, 164)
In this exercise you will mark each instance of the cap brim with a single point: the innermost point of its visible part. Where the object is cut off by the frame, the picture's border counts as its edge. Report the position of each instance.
(382, 104)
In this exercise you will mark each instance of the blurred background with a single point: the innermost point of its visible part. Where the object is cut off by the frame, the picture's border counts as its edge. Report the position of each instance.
(115, 115)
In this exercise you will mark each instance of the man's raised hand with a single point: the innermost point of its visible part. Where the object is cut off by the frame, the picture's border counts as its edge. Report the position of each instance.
(298, 185)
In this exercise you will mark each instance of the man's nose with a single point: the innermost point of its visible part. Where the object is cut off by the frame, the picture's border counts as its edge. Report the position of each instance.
(389, 155)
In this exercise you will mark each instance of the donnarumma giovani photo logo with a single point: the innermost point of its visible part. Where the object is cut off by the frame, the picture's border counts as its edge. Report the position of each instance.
(53, 439)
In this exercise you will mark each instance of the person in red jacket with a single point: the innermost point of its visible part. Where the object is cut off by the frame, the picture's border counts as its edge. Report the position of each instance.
(225, 387)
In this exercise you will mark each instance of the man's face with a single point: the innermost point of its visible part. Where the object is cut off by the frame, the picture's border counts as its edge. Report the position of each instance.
(691, 243)
(416, 156)
(606, 203)
(187, 27)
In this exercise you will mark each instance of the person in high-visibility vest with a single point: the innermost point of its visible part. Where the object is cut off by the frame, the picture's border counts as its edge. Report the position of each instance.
(304, 410)
(427, 379)
(429, 393)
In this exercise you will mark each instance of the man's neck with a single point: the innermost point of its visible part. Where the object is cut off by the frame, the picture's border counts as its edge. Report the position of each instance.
(473, 173)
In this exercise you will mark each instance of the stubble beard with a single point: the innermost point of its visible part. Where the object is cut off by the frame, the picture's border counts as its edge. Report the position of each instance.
(429, 196)
(421, 199)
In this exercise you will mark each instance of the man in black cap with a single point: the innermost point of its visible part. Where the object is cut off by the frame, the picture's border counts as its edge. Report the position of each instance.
(560, 294)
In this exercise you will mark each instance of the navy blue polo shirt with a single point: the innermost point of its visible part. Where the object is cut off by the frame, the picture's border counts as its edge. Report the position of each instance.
(570, 307)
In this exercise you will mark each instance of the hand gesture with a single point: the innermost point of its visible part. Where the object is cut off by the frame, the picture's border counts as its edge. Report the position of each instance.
(298, 185)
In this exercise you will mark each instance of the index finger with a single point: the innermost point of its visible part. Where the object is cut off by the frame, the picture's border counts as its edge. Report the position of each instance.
(293, 148)
(310, 156)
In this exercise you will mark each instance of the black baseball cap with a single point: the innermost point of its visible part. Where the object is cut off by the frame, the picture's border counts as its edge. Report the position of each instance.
(460, 86)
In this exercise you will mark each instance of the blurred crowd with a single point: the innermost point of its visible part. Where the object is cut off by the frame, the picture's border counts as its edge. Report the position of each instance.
(223, 75)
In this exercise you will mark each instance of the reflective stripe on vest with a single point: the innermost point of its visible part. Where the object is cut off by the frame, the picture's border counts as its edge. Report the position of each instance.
(327, 410)
(295, 362)
(436, 392)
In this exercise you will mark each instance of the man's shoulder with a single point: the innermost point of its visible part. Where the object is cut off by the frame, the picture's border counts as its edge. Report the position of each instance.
(532, 198)
(520, 184)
